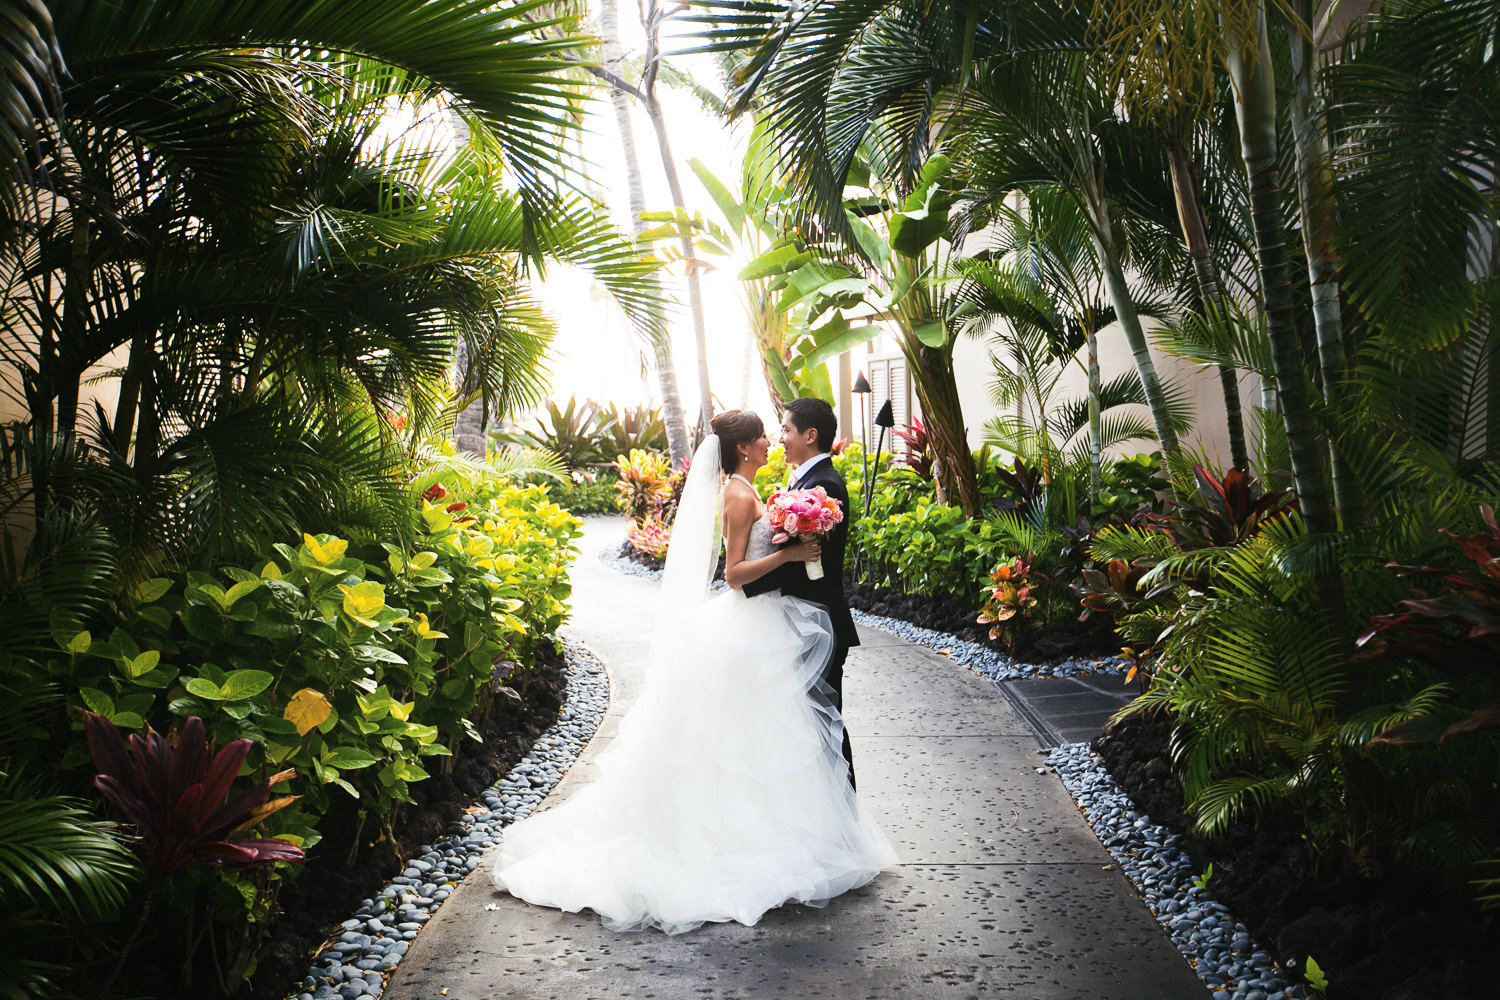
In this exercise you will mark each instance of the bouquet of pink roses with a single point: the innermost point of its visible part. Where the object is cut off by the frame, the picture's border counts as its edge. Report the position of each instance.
(802, 514)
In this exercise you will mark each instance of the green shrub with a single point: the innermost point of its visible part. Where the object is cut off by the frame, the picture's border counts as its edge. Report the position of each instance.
(912, 543)
(850, 463)
(1271, 704)
(585, 495)
(772, 475)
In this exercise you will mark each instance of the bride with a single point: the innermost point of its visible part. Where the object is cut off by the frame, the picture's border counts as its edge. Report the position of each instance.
(725, 793)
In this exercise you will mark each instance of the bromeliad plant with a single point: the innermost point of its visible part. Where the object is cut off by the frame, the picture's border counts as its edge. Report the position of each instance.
(581, 434)
(641, 427)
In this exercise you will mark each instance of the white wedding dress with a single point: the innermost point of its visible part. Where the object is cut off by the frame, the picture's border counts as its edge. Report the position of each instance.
(724, 794)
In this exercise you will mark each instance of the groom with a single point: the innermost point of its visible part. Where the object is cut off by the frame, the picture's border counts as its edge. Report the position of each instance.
(807, 431)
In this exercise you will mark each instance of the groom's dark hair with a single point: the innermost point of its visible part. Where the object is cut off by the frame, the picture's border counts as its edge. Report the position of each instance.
(812, 413)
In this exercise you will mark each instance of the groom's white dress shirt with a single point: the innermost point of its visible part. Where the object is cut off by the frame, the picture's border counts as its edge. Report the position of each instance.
(806, 467)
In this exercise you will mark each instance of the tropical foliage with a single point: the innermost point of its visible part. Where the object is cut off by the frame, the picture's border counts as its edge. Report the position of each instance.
(386, 657)
(1325, 225)
(254, 258)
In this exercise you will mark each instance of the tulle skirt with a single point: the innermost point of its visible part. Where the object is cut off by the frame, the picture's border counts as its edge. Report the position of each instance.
(725, 793)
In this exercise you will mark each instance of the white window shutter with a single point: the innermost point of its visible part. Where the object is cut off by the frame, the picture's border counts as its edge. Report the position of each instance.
(889, 379)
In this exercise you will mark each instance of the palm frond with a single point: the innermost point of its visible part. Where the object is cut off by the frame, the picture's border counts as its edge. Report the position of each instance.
(493, 59)
(57, 857)
(1415, 103)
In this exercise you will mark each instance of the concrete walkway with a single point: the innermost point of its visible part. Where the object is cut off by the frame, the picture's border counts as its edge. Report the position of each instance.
(1002, 890)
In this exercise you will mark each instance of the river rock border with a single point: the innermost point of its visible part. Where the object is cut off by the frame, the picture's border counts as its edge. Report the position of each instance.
(1218, 947)
(367, 947)
(987, 662)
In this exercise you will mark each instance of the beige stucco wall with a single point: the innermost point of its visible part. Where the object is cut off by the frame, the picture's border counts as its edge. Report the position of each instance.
(105, 391)
(1209, 436)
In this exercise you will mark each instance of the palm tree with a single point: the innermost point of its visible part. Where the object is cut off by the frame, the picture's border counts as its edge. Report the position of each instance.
(170, 114)
(897, 285)
(1319, 210)
(666, 369)
(1248, 60)
(262, 291)
(1011, 95)
(1039, 274)
(652, 18)
(752, 220)
(1195, 236)
(1164, 55)
(64, 869)
(1055, 435)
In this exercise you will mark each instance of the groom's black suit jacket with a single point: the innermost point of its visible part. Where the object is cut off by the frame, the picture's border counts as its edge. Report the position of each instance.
(791, 578)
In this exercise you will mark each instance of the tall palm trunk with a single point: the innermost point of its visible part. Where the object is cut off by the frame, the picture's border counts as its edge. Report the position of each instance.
(1096, 433)
(747, 363)
(1135, 337)
(1315, 194)
(955, 478)
(1249, 63)
(1195, 235)
(666, 368)
(74, 323)
(1253, 75)
(1101, 229)
(768, 329)
(651, 19)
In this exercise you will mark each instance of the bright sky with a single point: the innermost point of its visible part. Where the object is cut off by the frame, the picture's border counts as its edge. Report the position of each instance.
(596, 355)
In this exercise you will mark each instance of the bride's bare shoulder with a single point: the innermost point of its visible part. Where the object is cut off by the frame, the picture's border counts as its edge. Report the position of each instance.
(740, 504)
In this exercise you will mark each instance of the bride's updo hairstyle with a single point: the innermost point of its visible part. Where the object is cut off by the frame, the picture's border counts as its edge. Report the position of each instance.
(734, 428)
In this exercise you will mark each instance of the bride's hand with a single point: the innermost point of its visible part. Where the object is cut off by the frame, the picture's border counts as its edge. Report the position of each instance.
(804, 552)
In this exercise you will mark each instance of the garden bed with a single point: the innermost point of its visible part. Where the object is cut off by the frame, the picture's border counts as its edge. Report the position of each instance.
(1059, 639)
(329, 888)
(1391, 937)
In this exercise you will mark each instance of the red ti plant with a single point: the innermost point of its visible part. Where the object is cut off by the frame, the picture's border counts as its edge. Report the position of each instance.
(1027, 486)
(1228, 512)
(172, 798)
(1455, 629)
(918, 455)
